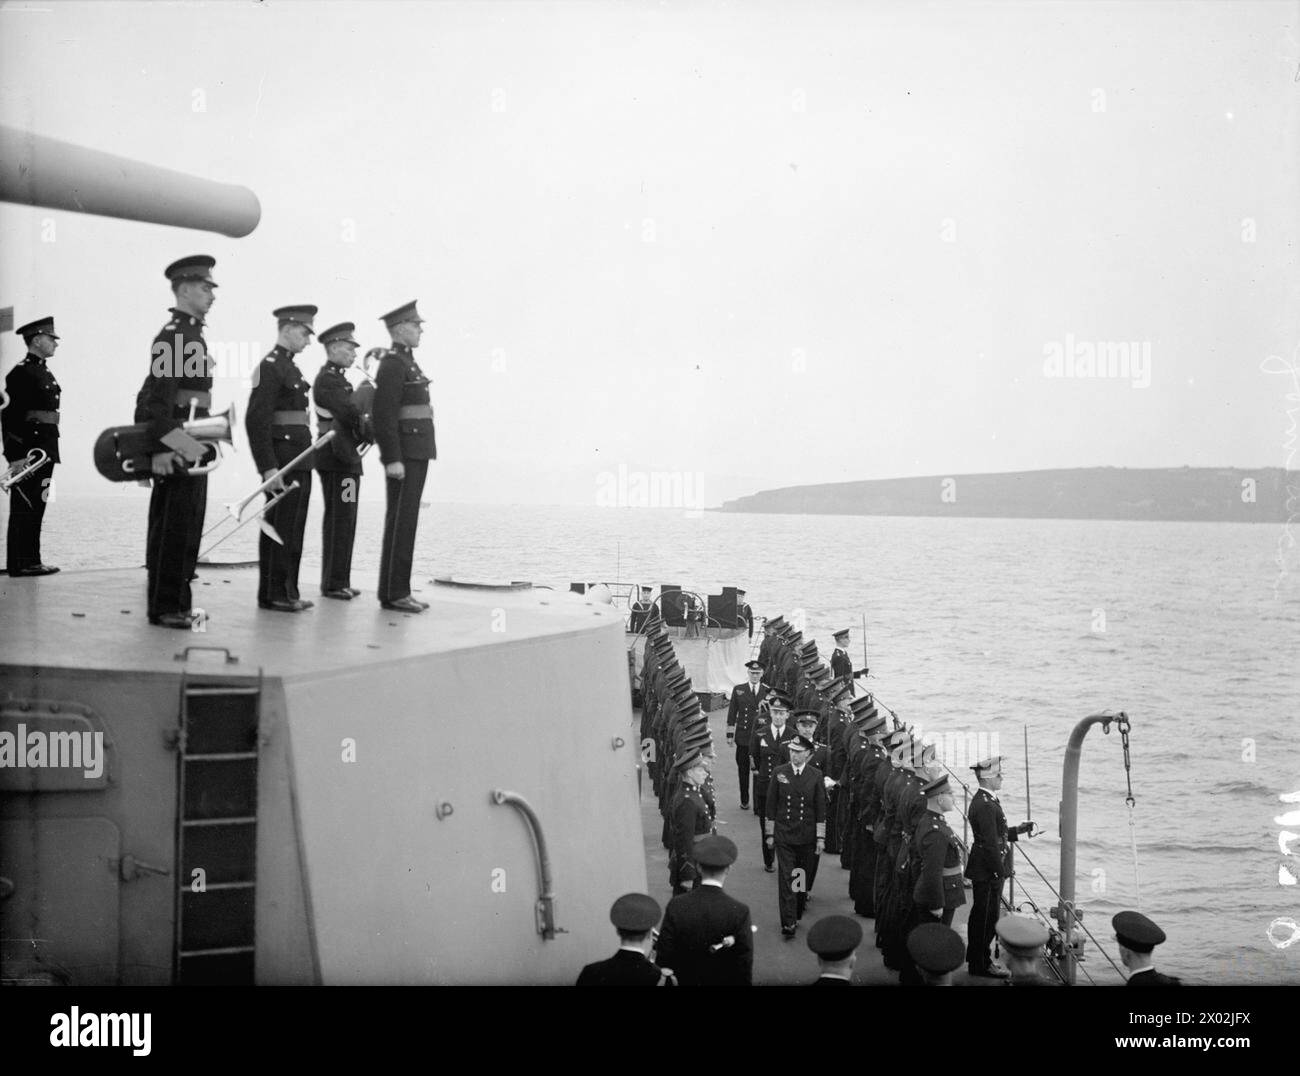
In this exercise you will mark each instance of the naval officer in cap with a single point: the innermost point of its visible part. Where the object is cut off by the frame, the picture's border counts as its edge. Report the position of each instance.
(339, 462)
(742, 718)
(1137, 936)
(178, 385)
(278, 431)
(795, 827)
(707, 937)
(989, 865)
(835, 940)
(937, 951)
(31, 421)
(634, 916)
(403, 421)
(1022, 939)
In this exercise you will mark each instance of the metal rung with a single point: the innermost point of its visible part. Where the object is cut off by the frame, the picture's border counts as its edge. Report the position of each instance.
(217, 952)
(231, 756)
(218, 821)
(191, 692)
(220, 885)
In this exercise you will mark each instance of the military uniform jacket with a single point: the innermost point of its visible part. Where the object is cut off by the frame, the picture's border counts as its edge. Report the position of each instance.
(180, 369)
(887, 828)
(401, 389)
(796, 803)
(278, 385)
(866, 793)
(742, 713)
(691, 818)
(767, 752)
(695, 921)
(936, 865)
(990, 851)
(767, 651)
(332, 392)
(1153, 978)
(30, 386)
(837, 739)
(908, 807)
(625, 968)
(841, 665)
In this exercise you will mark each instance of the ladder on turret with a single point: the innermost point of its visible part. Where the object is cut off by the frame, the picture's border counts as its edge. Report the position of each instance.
(216, 832)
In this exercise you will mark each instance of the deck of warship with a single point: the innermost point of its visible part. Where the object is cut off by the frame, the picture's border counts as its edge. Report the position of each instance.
(778, 961)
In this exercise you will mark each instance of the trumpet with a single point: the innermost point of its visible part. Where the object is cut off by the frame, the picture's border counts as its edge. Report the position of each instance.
(125, 453)
(16, 472)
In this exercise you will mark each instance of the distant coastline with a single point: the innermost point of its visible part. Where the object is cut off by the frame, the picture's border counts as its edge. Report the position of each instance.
(1175, 494)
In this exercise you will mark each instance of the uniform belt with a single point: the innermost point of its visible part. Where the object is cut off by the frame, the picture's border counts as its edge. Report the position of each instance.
(184, 397)
(951, 870)
(289, 418)
(50, 417)
(415, 411)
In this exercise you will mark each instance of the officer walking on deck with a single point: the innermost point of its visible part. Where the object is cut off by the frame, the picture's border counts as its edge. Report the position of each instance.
(278, 431)
(742, 717)
(989, 866)
(178, 385)
(403, 421)
(339, 462)
(31, 421)
(796, 828)
(766, 754)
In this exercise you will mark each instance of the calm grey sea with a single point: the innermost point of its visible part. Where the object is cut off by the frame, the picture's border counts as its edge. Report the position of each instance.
(978, 626)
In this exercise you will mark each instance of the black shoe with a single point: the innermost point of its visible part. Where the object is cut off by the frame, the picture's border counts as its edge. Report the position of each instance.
(353, 591)
(769, 868)
(183, 621)
(303, 603)
(36, 569)
(788, 932)
(744, 806)
(405, 605)
(283, 605)
(341, 594)
(422, 605)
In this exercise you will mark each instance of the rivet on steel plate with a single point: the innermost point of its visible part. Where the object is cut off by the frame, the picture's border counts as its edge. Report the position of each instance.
(617, 742)
(443, 810)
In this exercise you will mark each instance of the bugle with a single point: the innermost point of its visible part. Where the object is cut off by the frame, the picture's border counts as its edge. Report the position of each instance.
(125, 453)
(236, 508)
(16, 472)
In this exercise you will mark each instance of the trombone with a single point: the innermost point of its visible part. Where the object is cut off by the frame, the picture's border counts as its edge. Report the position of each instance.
(16, 472)
(235, 509)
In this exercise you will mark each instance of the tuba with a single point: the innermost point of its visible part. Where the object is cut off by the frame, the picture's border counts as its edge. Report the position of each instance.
(125, 453)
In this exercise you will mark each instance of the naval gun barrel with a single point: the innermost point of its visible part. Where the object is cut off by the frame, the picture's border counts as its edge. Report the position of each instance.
(40, 171)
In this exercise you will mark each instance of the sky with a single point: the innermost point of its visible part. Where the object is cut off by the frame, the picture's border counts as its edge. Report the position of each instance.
(741, 245)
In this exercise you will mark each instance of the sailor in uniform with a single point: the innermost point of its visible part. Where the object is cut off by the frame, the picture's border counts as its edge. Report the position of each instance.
(640, 610)
(403, 421)
(988, 867)
(867, 762)
(178, 386)
(708, 935)
(1137, 936)
(744, 614)
(635, 916)
(805, 724)
(31, 421)
(937, 951)
(796, 828)
(936, 868)
(339, 462)
(835, 940)
(766, 755)
(278, 431)
(742, 716)
(689, 818)
(1023, 938)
